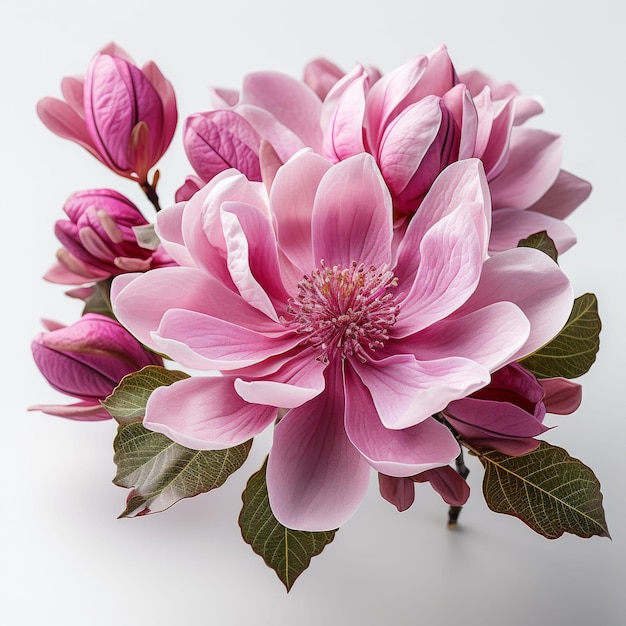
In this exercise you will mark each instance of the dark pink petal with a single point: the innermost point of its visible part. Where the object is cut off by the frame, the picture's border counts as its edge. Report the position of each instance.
(451, 486)
(398, 491)
(562, 396)
(563, 197)
(406, 392)
(397, 452)
(205, 413)
(316, 479)
(291, 199)
(352, 216)
(511, 225)
(490, 336)
(289, 100)
(168, 99)
(533, 165)
(191, 185)
(535, 283)
(220, 140)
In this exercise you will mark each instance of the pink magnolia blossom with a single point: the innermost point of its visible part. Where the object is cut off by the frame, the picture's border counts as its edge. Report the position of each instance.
(87, 360)
(304, 300)
(99, 239)
(421, 117)
(123, 115)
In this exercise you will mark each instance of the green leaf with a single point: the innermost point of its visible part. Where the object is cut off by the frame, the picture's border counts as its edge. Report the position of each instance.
(573, 351)
(288, 552)
(161, 472)
(100, 299)
(128, 401)
(540, 241)
(547, 489)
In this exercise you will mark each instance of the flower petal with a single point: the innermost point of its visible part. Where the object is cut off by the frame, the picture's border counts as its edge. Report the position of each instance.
(562, 396)
(205, 413)
(563, 197)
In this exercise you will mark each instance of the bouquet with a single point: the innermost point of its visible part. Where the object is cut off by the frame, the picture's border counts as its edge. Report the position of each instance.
(365, 263)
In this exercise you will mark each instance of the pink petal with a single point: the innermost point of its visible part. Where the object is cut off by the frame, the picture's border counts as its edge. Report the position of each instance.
(291, 199)
(398, 453)
(562, 396)
(316, 479)
(169, 230)
(168, 99)
(398, 491)
(496, 154)
(533, 166)
(320, 75)
(406, 392)
(563, 197)
(72, 88)
(352, 216)
(80, 411)
(511, 225)
(490, 336)
(205, 413)
(448, 483)
(289, 100)
(535, 283)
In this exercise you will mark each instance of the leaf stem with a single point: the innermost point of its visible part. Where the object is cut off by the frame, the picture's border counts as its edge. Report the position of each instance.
(463, 471)
(150, 190)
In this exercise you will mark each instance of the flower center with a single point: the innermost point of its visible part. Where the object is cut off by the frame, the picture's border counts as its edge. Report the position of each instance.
(345, 310)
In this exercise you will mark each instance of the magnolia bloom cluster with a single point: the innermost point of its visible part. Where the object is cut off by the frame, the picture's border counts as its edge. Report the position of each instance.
(343, 265)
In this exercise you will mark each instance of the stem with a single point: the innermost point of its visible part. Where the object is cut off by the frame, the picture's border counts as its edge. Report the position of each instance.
(463, 471)
(150, 191)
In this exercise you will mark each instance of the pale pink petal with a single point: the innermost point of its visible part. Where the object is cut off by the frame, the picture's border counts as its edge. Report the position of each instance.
(532, 167)
(62, 275)
(406, 140)
(205, 413)
(459, 184)
(397, 453)
(406, 392)
(299, 380)
(496, 154)
(343, 135)
(563, 197)
(511, 225)
(562, 396)
(205, 342)
(289, 100)
(320, 75)
(169, 230)
(451, 258)
(316, 478)
(80, 411)
(352, 216)
(530, 279)
(72, 88)
(292, 200)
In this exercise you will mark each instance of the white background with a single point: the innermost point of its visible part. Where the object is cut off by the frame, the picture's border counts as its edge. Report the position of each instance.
(67, 560)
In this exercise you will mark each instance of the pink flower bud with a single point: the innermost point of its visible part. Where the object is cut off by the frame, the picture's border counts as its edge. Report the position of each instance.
(123, 115)
(99, 239)
(87, 360)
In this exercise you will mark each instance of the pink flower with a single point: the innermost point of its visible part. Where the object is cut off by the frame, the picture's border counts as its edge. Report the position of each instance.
(305, 301)
(87, 360)
(123, 115)
(422, 117)
(99, 239)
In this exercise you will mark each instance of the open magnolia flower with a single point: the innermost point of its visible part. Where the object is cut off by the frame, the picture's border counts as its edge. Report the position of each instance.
(365, 263)
(305, 302)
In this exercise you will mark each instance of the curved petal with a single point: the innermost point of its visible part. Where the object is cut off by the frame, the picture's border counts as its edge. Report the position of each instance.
(490, 336)
(511, 225)
(352, 215)
(397, 491)
(406, 392)
(563, 197)
(205, 413)
(396, 453)
(169, 230)
(533, 166)
(316, 478)
(291, 198)
(562, 396)
(80, 411)
(530, 279)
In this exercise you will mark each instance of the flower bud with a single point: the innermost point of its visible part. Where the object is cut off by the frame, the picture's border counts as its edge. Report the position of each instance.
(87, 360)
(99, 239)
(123, 115)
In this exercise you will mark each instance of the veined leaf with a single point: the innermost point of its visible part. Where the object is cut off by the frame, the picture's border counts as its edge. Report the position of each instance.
(540, 241)
(161, 472)
(547, 489)
(100, 299)
(288, 552)
(128, 401)
(573, 351)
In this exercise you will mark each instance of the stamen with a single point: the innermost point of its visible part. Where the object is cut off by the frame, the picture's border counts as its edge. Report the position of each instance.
(345, 311)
